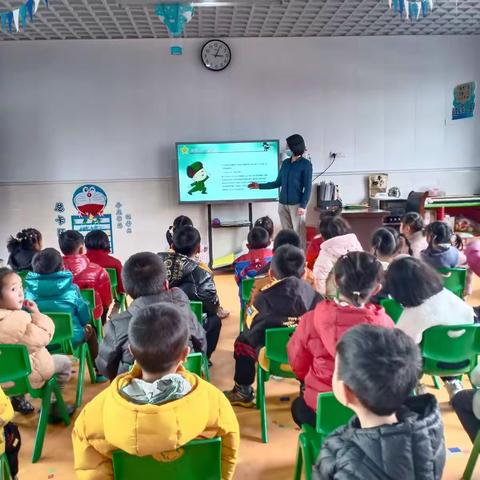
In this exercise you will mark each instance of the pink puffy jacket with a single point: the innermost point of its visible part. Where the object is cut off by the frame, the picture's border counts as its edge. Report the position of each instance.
(331, 250)
(472, 252)
(311, 350)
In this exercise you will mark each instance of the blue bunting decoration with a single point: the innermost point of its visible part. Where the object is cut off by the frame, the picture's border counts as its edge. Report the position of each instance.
(26, 10)
(411, 8)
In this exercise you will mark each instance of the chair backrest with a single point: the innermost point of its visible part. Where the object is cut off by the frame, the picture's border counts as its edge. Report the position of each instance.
(63, 328)
(276, 340)
(112, 273)
(454, 279)
(246, 289)
(197, 460)
(392, 307)
(15, 367)
(331, 414)
(88, 294)
(23, 275)
(193, 363)
(450, 350)
(197, 309)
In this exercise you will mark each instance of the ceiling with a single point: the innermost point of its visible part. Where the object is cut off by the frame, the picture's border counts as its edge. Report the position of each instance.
(117, 19)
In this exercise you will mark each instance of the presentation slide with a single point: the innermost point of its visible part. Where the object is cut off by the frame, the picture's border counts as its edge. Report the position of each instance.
(221, 172)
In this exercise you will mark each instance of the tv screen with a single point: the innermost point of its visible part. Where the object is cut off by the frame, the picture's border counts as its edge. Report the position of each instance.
(221, 171)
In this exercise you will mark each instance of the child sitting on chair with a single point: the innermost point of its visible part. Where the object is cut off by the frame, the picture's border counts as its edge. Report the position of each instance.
(158, 406)
(145, 280)
(419, 289)
(98, 252)
(278, 305)
(258, 257)
(22, 248)
(385, 245)
(86, 274)
(22, 323)
(394, 434)
(311, 350)
(412, 230)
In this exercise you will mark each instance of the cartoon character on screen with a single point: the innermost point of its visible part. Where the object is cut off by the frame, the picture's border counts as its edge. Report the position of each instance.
(266, 147)
(198, 174)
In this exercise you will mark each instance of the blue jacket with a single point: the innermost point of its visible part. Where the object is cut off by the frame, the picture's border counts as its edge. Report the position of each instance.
(441, 258)
(295, 182)
(56, 292)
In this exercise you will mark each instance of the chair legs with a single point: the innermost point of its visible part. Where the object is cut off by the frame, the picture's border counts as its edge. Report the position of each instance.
(467, 474)
(299, 462)
(261, 378)
(84, 358)
(436, 382)
(97, 324)
(205, 369)
(122, 300)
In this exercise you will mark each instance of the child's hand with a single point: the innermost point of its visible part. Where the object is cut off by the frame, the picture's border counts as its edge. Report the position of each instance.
(31, 306)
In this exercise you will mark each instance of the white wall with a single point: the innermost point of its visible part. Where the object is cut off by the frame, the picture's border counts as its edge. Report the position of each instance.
(109, 112)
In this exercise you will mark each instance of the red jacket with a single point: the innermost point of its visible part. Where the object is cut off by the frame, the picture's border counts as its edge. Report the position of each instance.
(102, 258)
(90, 275)
(313, 250)
(311, 350)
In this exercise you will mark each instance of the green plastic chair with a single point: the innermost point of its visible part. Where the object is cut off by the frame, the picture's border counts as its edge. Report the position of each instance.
(450, 350)
(62, 343)
(197, 309)
(121, 298)
(88, 294)
(5, 473)
(246, 288)
(15, 367)
(392, 308)
(472, 460)
(276, 340)
(197, 460)
(23, 275)
(454, 279)
(194, 363)
(331, 414)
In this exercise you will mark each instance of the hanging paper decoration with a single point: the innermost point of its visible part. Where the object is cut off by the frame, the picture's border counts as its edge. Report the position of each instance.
(175, 16)
(17, 17)
(411, 9)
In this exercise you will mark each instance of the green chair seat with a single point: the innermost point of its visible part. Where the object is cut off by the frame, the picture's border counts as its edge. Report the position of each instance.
(88, 294)
(197, 460)
(194, 363)
(121, 298)
(15, 367)
(392, 308)
(454, 279)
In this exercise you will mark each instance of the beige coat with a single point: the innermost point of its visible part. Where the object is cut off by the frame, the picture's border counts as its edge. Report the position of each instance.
(35, 332)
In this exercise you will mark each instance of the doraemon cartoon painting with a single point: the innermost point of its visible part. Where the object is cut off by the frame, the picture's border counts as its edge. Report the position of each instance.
(198, 174)
(90, 201)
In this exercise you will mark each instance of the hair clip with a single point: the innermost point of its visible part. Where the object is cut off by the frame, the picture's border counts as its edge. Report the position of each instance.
(356, 293)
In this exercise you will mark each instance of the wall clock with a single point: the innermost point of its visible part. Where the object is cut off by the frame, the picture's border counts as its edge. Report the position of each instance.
(216, 55)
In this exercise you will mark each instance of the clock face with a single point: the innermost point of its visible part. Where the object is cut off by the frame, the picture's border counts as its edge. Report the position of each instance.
(216, 55)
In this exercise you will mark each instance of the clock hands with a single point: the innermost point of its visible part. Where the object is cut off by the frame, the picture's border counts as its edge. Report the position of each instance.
(217, 55)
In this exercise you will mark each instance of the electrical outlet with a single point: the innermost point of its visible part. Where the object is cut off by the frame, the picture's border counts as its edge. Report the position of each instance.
(337, 155)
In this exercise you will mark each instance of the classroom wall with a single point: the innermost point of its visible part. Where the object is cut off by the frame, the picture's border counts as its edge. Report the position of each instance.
(109, 112)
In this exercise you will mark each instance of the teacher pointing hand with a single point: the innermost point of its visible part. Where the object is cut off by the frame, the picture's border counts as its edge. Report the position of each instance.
(295, 183)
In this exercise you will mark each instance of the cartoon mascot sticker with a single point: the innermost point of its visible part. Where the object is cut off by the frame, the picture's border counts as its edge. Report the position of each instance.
(90, 201)
(198, 174)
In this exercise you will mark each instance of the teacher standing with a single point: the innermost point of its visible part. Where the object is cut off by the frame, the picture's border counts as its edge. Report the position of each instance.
(295, 183)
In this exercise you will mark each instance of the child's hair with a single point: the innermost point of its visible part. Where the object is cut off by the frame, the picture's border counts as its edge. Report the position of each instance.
(144, 274)
(288, 261)
(186, 240)
(286, 237)
(414, 221)
(70, 241)
(5, 272)
(385, 242)
(357, 274)
(47, 261)
(158, 334)
(333, 226)
(258, 237)
(381, 366)
(440, 236)
(25, 240)
(410, 281)
(97, 240)
(267, 223)
(179, 222)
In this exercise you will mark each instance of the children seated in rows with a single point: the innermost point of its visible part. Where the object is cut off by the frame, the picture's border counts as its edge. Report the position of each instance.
(158, 406)
(419, 289)
(145, 280)
(22, 323)
(279, 304)
(184, 272)
(97, 244)
(22, 248)
(85, 273)
(311, 349)
(393, 434)
(338, 240)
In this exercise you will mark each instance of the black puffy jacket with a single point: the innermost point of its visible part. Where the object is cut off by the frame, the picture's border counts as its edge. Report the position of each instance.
(114, 356)
(21, 260)
(412, 449)
(194, 279)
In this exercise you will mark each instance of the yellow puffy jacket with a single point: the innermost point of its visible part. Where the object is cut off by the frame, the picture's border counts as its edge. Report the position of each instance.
(6, 414)
(110, 422)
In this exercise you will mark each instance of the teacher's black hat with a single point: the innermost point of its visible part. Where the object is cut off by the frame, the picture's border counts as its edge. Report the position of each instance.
(296, 144)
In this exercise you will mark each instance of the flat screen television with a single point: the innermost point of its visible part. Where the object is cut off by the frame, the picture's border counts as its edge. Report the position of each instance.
(210, 172)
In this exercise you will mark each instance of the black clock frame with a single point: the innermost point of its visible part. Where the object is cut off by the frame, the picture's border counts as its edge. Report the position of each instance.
(203, 48)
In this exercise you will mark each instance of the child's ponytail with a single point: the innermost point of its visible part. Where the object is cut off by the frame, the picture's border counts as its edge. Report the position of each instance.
(25, 240)
(407, 243)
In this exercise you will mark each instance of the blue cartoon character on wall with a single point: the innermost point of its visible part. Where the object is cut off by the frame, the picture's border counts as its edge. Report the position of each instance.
(198, 174)
(90, 201)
